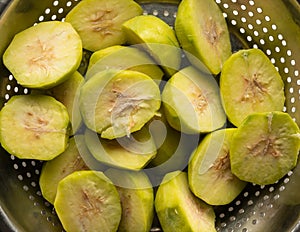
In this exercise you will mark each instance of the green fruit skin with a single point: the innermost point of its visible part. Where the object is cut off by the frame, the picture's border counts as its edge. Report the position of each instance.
(178, 209)
(99, 22)
(183, 97)
(88, 158)
(55, 170)
(43, 74)
(253, 159)
(156, 36)
(33, 142)
(68, 93)
(214, 182)
(121, 57)
(132, 153)
(206, 37)
(288, 26)
(173, 148)
(264, 92)
(137, 199)
(75, 210)
(101, 107)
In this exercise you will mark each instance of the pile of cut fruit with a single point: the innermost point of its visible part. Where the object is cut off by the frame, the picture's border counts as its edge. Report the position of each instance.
(141, 119)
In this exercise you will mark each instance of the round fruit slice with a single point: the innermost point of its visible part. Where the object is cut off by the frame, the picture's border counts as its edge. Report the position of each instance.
(250, 83)
(155, 36)
(34, 127)
(265, 147)
(205, 37)
(133, 152)
(209, 173)
(192, 102)
(55, 170)
(137, 199)
(68, 93)
(121, 58)
(87, 157)
(88, 201)
(173, 148)
(44, 55)
(99, 22)
(117, 103)
(178, 210)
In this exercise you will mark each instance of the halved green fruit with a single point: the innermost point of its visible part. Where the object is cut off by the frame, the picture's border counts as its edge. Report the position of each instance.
(192, 103)
(99, 22)
(157, 38)
(137, 199)
(121, 57)
(133, 152)
(249, 83)
(117, 103)
(68, 93)
(91, 162)
(178, 209)
(209, 173)
(173, 148)
(55, 170)
(34, 127)
(202, 32)
(265, 147)
(88, 201)
(44, 55)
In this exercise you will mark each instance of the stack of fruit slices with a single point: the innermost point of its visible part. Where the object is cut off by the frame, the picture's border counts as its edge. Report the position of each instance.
(139, 107)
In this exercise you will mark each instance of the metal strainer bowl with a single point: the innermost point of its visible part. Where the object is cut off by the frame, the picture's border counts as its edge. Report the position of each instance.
(270, 25)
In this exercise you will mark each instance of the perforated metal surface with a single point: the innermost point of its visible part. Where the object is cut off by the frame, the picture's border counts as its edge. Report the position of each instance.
(257, 208)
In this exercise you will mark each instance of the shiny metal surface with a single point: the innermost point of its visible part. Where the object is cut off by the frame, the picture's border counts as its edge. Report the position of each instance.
(258, 208)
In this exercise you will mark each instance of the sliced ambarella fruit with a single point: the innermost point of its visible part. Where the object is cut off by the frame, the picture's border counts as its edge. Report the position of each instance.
(68, 93)
(209, 174)
(44, 55)
(178, 209)
(117, 103)
(250, 83)
(137, 199)
(34, 127)
(88, 201)
(55, 170)
(157, 38)
(173, 148)
(133, 152)
(192, 103)
(265, 147)
(88, 158)
(99, 22)
(202, 32)
(121, 57)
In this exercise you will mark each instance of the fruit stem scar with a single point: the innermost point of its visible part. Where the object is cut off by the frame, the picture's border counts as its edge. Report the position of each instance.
(270, 119)
(265, 147)
(124, 102)
(46, 55)
(89, 206)
(102, 21)
(211, 31)
(254, 89)
(38, 125)
(222, 165)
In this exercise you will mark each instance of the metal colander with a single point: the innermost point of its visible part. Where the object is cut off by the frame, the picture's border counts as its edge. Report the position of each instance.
(270, 25)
